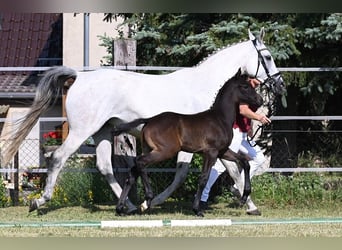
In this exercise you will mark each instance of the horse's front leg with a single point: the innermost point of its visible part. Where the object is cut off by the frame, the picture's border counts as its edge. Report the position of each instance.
(209, 160)
(183, 163)
(242, 161)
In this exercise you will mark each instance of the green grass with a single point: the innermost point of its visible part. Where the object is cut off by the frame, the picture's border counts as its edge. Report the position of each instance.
(171, 210)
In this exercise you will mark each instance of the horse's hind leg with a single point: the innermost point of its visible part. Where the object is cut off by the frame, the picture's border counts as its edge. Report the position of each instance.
(235, 174)
(238, 178)
(55, 165)
(242, 161)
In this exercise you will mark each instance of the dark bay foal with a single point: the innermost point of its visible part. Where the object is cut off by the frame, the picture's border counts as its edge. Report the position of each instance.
(208, 133)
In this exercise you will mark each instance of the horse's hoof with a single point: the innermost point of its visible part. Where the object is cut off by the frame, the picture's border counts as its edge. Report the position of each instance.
(254, 212)
(33, 205)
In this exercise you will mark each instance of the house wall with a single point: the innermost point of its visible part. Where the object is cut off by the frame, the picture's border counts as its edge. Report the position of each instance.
(73, 31)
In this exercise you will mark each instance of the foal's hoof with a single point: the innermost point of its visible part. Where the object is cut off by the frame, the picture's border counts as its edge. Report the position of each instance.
(120, 211)
(144, 207)
(33, 205)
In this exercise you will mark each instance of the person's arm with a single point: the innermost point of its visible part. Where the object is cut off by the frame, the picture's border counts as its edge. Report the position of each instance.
(247, 112)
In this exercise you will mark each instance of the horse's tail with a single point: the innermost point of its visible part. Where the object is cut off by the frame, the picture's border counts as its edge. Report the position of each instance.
(126, 127)
(48, 90)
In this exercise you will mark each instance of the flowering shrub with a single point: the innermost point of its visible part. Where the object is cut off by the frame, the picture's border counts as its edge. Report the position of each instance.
(52, 138)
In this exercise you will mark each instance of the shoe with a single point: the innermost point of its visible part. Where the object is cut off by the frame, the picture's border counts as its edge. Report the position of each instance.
(254, 212)
(203, 205)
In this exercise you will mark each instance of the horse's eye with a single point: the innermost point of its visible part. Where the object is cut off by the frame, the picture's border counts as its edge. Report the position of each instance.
(268, 57)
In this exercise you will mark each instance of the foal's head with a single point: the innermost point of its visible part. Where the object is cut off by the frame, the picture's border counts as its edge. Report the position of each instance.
(246, 93)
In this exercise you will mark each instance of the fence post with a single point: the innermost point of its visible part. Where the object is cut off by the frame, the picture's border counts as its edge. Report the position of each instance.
(124, 146)
(124, 52)
(15, 194)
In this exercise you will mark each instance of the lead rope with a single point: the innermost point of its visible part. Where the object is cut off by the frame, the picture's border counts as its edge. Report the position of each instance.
(250, 139)
(271, 111)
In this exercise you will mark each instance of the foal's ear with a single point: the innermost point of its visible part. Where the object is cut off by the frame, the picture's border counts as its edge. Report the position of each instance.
(238, 73)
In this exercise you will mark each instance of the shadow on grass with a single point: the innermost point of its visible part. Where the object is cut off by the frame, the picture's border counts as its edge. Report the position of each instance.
(168, 207)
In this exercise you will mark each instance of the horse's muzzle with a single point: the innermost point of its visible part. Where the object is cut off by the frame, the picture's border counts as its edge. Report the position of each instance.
(275, 84)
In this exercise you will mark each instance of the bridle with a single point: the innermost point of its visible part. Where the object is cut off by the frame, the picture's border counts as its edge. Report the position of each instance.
(268, 83)
(270, 80)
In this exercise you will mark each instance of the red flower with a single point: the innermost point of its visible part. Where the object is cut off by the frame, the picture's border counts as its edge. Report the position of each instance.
(53, 138)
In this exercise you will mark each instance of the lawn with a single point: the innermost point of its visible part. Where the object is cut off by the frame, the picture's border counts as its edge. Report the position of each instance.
(274, 222)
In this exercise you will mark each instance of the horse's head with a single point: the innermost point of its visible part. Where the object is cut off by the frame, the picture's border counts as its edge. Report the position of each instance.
(263, 67)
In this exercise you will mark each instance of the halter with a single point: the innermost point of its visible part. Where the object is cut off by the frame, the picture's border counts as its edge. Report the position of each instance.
(270, 78)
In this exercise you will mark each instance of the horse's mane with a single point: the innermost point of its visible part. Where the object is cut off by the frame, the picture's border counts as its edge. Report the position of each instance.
(214, 52)
(236, 79)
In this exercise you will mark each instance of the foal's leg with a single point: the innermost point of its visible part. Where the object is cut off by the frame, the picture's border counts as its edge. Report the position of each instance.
(131, 179)
(209, 159)
(143, 161)
(152, 157)
(104, 162)
(183, 163)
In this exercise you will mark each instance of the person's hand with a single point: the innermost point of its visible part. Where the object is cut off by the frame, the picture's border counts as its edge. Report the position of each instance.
(264, 119)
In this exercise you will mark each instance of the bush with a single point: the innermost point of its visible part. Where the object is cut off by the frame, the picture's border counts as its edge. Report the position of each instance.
(4, 198)
(299, 190)
(81, 188)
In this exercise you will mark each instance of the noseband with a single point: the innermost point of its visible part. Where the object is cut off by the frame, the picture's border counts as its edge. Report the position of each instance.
(270, 80)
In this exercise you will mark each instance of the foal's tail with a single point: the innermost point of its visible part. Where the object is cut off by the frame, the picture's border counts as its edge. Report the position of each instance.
(126, 127)
(48, 90)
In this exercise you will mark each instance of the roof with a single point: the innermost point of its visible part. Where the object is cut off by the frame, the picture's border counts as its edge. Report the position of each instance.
(28, 40)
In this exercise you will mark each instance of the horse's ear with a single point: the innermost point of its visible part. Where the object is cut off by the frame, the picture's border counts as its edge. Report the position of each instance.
(262, 33)
(251, 36)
